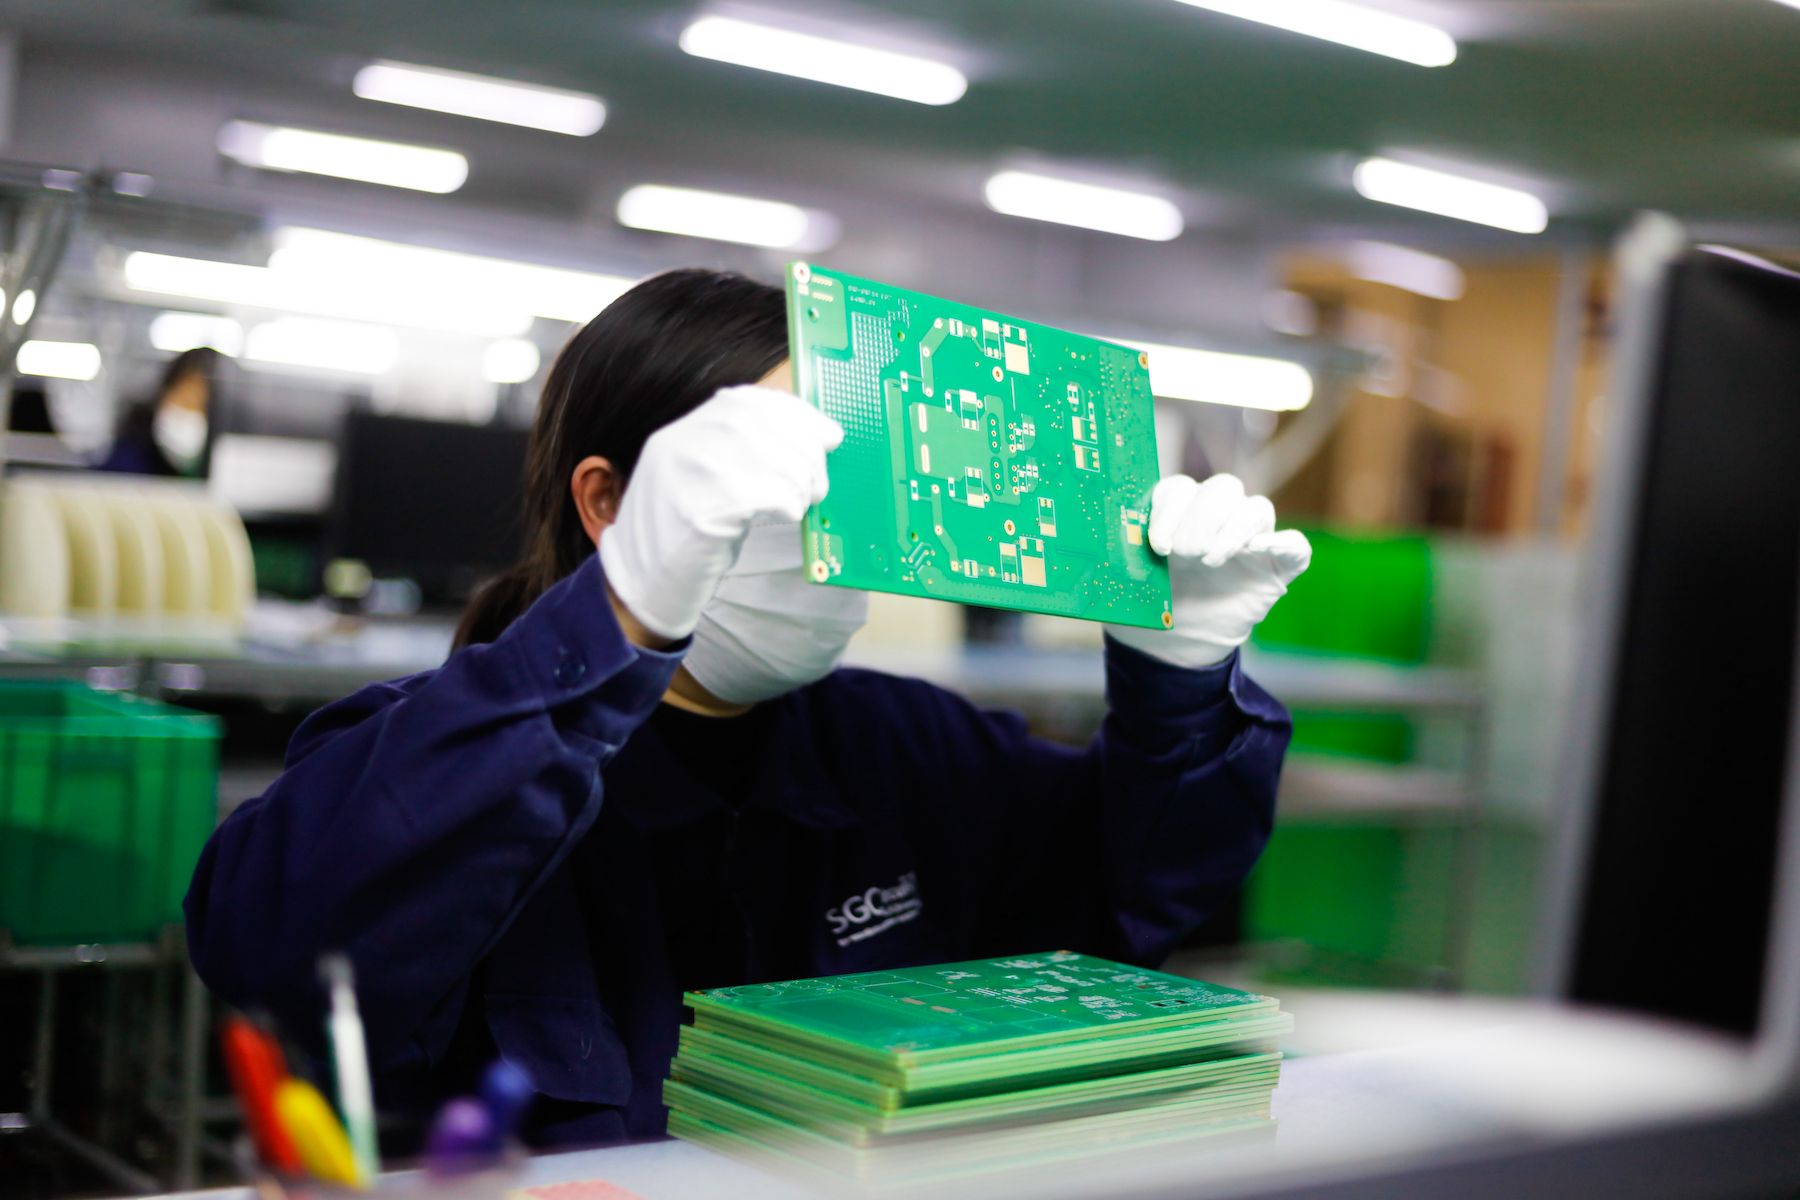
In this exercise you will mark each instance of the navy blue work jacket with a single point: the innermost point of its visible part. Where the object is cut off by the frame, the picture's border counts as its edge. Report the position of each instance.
(499, 847)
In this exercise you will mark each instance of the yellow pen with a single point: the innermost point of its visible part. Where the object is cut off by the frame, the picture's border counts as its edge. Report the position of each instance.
(316, 1133)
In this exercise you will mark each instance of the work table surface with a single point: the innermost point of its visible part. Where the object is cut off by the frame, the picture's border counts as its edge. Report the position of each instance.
(1469, 1093)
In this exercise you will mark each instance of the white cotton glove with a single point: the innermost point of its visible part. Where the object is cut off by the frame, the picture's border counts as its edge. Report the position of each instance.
(748, 456)
(1227, 567)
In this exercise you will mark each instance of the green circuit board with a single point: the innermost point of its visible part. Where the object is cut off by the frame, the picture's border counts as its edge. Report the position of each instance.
(984, 1012)
(986, 460)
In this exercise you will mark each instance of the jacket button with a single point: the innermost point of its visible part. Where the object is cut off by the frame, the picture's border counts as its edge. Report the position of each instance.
(570, 670)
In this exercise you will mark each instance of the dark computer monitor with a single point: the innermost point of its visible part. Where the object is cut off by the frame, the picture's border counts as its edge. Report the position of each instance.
(434, 501)
(1676, 867)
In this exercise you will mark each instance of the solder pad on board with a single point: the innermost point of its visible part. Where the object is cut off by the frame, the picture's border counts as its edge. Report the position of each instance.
(985, 460)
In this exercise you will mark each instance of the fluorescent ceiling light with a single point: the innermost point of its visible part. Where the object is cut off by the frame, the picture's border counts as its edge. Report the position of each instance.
(274, 148)
(323, 345)
(720, 217)
(1110, 210)
(446, 277)
(1348, 25)
(480, 97)
(1405, 268)
(362, 293)
(59, 360)
(24, 306)
(510, 360)
(1449, 195)
(824, 60)
(366, 279)
(175, 332)
(1243, 380)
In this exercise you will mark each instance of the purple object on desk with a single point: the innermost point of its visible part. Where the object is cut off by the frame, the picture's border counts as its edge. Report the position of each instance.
(507, 1091)
(463, 1138)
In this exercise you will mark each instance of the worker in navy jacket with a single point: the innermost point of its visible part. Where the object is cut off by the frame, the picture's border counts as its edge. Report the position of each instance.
(640, 774)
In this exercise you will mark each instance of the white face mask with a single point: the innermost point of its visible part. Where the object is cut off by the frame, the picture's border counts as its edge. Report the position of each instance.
(181, 435)
(768, 630)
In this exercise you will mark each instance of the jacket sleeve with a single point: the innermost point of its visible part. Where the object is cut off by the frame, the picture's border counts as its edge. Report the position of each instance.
(1189, 768)
(1124, 849)
(415, 819)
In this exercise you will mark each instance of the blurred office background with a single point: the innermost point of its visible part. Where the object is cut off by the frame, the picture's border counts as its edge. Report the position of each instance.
(1371, 265)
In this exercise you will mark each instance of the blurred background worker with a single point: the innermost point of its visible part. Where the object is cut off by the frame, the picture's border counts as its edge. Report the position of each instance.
(171, 433)
(527, 855)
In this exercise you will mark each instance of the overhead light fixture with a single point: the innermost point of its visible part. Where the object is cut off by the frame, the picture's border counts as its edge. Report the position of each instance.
(481, 97)
(824, 60)
(322, 345)
(1348, 25)
(1087, 205)
(1241, 380)
(24, 306)
(59, 360)
(1450, 195)
(510, 360)
(320, 273)
(394, 164)
(725, 218)
(1405, 268)
(360, 293)
(175, 332)
(436, 279)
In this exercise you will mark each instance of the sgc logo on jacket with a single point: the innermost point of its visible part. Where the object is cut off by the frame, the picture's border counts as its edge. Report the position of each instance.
(887, 907)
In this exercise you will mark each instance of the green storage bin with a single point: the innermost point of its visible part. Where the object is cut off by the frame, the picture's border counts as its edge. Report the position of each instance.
(1374, 890)
(105, 802)
(1365, 596)
(1369, 896)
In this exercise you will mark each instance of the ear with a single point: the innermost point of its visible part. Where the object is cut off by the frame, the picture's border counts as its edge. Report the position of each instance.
(597, 490)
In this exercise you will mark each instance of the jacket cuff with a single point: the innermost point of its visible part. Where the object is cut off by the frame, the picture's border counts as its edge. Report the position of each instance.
(1157, 697)
(568, 645)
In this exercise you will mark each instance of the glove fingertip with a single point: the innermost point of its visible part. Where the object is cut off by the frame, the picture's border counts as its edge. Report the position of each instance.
(1170, 485)
(1222, 485)
(831, 432)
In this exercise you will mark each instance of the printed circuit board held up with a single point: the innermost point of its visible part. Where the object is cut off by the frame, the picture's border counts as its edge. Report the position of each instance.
(986, 460)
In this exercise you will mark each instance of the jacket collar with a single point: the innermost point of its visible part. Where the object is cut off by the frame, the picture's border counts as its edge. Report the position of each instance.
(652, 789)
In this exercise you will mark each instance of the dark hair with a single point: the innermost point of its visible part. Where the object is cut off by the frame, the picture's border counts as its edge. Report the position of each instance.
(655, 354)
(201, 360)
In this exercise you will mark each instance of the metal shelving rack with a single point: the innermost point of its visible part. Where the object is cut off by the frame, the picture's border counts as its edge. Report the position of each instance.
(41, 209)
(174, 1092)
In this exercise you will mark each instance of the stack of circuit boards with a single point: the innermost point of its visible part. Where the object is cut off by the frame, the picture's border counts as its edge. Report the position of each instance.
(918, 1077)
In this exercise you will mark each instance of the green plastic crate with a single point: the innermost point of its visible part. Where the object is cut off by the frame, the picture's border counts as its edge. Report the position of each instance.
(105, 802)
(1374, 890)
(1379, 889)
(1365, 596)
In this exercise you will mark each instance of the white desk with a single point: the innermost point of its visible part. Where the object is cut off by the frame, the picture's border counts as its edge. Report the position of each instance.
(1473, 1083)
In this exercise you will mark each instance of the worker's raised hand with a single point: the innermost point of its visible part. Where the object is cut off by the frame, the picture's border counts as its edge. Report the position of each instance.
(748, 456)
(1227, 567)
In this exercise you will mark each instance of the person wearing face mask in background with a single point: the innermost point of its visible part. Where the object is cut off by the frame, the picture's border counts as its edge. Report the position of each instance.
(640, 773)
(170, 435)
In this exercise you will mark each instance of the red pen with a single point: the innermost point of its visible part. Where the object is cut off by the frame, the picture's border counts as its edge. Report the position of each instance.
(257, 1068)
